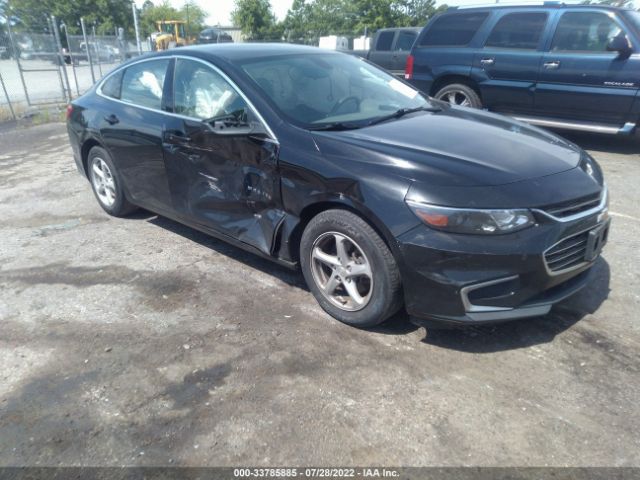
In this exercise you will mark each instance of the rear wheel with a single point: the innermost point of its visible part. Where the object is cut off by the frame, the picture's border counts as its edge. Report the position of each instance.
(106, 183)
(459, 94)
(349, 269)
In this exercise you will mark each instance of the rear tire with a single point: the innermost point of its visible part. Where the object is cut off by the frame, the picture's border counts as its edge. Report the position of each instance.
(460, 95)
(107, 183)
(358, 282)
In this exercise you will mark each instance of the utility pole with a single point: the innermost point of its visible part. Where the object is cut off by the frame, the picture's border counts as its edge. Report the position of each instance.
(188, 29)
(63, 67)
(73, 62)
(87, 50)
(135, 24)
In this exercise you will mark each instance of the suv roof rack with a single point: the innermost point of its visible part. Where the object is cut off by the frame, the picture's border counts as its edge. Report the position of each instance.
(523, 3)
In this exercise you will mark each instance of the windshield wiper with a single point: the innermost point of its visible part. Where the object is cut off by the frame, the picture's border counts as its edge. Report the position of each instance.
(335, 126)
(402, 112)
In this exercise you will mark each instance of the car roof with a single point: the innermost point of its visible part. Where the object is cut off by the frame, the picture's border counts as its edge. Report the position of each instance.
(246, 51)
(537, 6)
(398, 28)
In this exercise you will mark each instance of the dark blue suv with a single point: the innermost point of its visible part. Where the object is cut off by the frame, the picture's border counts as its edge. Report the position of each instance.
(562, 66)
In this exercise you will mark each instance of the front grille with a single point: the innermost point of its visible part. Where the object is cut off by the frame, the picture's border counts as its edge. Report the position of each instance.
(567, 253)
(573, 207)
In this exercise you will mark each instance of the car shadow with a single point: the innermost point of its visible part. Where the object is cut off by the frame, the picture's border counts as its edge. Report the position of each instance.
(603, 143)
(528, 332)
(290, 277)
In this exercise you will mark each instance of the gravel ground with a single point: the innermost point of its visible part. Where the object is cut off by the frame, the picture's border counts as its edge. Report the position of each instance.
(141, 342)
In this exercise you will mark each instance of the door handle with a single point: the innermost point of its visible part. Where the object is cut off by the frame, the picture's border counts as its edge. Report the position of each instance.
(488, 61)
(178, 139)
(551, 65)
(112, 119)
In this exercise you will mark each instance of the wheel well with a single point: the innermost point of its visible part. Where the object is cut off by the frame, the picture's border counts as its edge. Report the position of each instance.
(84, 152)
(314, 209)
(449, 79)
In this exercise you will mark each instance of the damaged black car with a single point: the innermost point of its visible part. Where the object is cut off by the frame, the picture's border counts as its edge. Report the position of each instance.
(384, 198)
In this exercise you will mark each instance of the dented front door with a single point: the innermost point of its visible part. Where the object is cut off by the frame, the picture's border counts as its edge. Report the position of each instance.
(225, 182)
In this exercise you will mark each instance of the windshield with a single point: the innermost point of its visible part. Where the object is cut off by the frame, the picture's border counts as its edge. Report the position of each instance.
(634, 18)
(325, 88)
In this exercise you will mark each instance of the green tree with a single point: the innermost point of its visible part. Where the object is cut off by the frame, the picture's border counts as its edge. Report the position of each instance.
(296, 28)
(190, 12)
(307, 20)
(150, 14)
(256, 20)
(194, 16)
(105, 15)
(416, 13)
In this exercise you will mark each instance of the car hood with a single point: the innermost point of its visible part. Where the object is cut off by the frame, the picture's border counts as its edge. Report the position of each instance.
(457, 147)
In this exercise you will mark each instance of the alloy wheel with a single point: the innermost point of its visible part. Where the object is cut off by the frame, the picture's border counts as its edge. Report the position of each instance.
(342, 271)
(455, 97)
(103, 182)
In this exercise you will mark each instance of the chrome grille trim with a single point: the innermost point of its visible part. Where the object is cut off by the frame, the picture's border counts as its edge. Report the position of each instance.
(567, 254)
(593, 202)
(602, 205)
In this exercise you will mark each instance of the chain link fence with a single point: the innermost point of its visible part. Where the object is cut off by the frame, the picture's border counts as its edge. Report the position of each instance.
(39, 69)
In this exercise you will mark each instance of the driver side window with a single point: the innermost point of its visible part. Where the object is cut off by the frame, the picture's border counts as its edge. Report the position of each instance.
(201, 92)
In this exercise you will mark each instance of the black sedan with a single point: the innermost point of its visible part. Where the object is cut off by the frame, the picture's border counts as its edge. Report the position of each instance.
(382, 196)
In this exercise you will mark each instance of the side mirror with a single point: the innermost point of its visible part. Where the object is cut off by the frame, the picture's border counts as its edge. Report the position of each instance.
(228, 128)
(234, 123)
(620, 43)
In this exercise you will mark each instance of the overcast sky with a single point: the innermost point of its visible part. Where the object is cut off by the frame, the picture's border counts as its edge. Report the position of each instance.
(220, 10)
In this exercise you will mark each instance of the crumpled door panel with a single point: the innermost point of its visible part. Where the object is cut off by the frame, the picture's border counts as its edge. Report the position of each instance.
(228, 183)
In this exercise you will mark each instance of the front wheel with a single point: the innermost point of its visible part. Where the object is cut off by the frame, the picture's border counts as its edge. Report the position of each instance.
(349, 269)
(460, 95)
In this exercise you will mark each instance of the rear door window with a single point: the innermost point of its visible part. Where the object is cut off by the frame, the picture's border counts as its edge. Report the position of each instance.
(584, 32)
(518, 30)
(453, 30)
(111, 86)
(385, 40)
(143, 82)
(405, 40)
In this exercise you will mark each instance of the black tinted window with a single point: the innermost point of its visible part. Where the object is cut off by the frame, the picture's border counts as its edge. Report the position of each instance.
(453, 29)
(405, 40)
(111, 86)
(518, 30)
(142, 83)
(385, 39)
(584, 32)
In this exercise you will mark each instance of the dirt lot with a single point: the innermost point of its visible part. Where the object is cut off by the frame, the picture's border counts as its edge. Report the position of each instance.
(141, 342)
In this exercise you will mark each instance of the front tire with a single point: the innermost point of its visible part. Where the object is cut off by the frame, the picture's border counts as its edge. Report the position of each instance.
(107, 184)
(349, 269)
(460, 95)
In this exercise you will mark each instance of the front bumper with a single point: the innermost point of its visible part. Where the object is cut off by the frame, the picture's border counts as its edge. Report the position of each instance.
(471, 279)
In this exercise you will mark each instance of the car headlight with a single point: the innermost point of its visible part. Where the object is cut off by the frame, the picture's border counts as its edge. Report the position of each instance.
(591, 167)
(475, 221)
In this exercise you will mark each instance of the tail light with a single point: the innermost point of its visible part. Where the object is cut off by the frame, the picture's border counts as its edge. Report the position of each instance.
(69, 111)
(408, 69)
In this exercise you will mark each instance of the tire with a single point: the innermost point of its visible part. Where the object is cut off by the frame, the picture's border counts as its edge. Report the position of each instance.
(380, 289)
(459, 94)
(106, 183)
